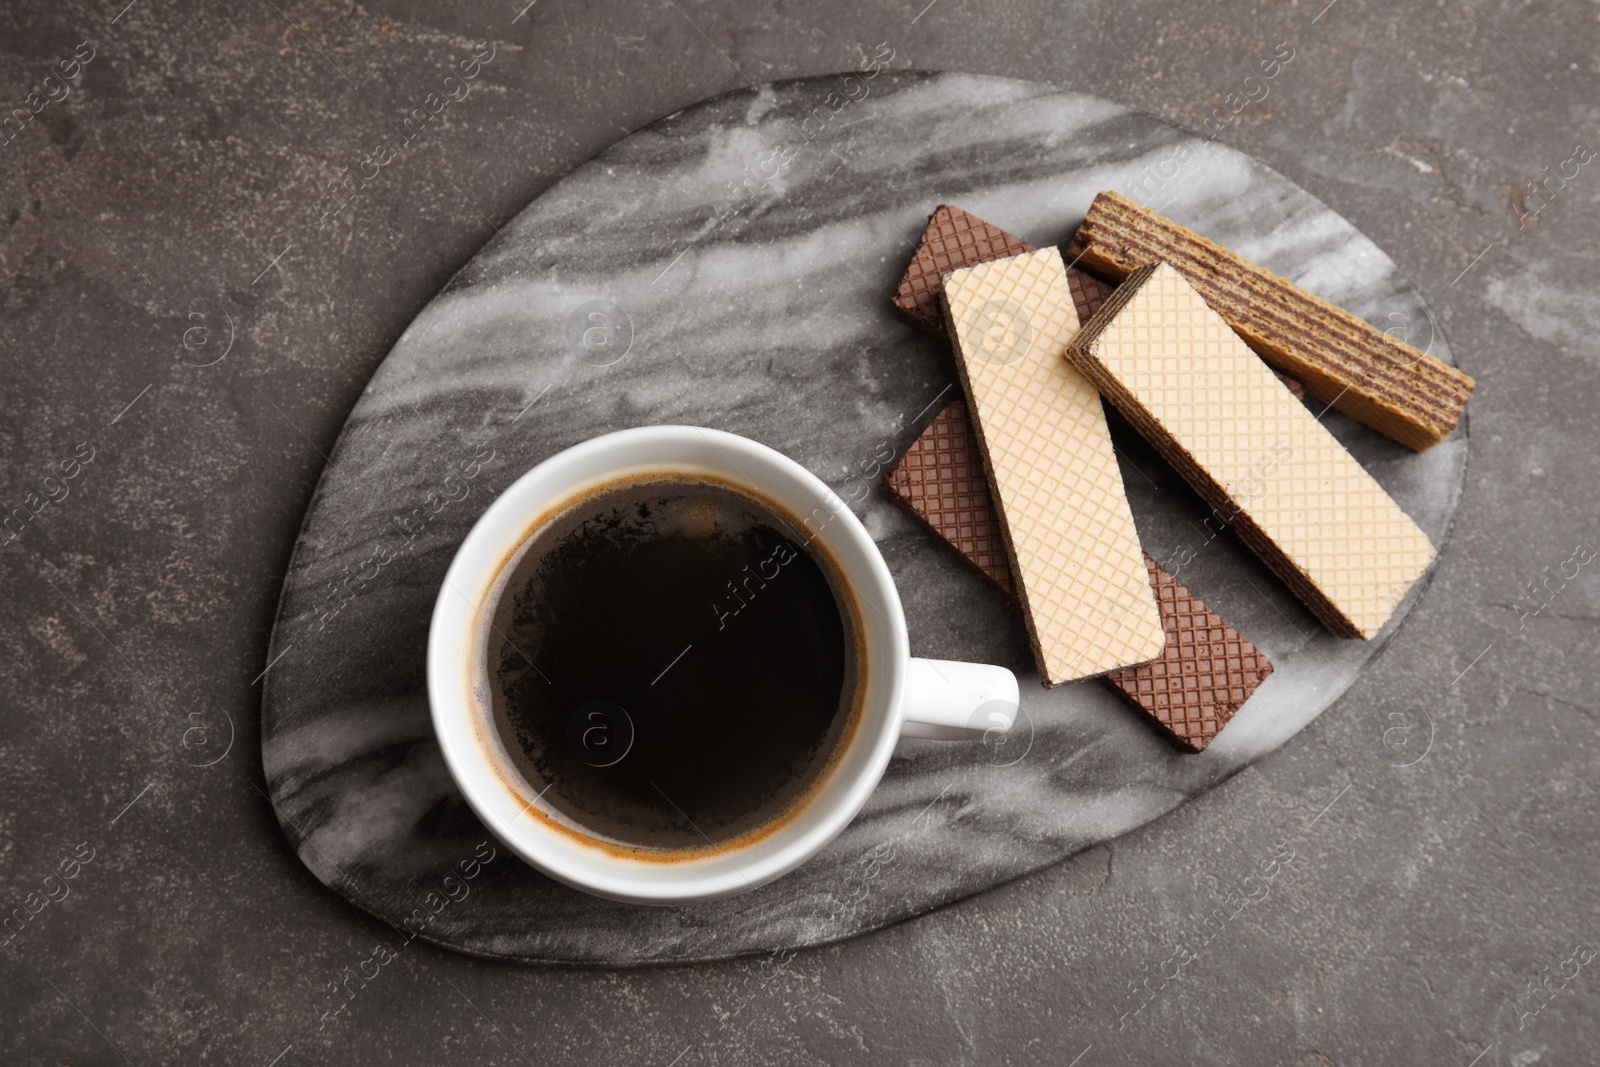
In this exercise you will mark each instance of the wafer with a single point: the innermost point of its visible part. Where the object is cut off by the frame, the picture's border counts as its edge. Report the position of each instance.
(956, 239)
(1186, 381)
(1369, 375)
(953, 239)
(939, 481)
(1064, 515)
(1207, 669)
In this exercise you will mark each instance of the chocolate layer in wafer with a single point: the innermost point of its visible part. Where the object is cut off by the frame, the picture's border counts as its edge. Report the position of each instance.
(1206, 670)
(1065, 519)
(1185, 380)
(1365, 373)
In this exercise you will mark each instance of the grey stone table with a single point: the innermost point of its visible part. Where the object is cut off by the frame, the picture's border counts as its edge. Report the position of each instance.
(730, 266)
(185, 175)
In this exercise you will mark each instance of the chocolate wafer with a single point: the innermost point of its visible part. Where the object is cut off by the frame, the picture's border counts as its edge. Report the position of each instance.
(1341, 359)
(1186, 381)
(1065, 519)
(940, 482)
(953, 239)
(1206, 670)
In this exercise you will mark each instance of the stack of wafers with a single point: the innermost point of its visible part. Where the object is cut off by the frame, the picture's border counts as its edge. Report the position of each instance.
(1021, 478)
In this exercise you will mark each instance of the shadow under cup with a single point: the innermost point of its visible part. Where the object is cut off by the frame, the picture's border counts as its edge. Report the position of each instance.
(564, 766)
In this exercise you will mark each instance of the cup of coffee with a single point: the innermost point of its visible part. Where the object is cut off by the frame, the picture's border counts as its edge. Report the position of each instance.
(669, 664)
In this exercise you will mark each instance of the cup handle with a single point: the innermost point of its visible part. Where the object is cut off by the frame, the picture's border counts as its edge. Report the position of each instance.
(950, 701)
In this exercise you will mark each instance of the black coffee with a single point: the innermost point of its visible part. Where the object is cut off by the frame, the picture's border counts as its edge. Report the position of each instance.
(675, 663)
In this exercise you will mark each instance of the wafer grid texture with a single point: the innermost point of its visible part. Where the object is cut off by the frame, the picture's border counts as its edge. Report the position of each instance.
(1207, 669)
(1088, 293)
(1069, 533)
(1217, 413)
(953, 239)
(941, 481)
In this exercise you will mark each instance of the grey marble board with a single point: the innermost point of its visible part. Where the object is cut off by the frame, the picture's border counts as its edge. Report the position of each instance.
(731, 266)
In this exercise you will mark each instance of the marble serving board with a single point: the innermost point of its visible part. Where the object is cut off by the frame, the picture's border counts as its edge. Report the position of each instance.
(731, 266)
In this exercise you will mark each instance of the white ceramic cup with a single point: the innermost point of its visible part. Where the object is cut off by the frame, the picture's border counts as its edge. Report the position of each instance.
(903, 697)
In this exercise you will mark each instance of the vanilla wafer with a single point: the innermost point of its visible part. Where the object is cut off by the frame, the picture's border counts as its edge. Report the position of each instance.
(1173, 367)
(1069, 533)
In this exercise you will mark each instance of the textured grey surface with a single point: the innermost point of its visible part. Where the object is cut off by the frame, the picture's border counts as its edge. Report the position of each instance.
(194, 149)
(767, 314)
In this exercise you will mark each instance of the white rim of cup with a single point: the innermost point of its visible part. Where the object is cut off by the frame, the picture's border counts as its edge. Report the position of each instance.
(501, 808)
